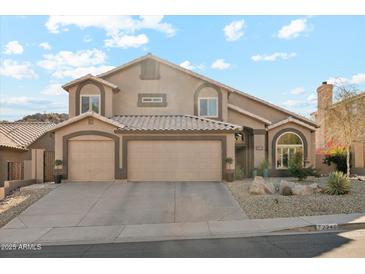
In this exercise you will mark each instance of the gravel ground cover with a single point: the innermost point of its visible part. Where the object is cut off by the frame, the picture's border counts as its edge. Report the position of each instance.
(19, 200)
(276, 205)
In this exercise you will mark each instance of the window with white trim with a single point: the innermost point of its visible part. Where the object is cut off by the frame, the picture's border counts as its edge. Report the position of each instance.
(90, 103)
(146, 99)
(208, 107)
(287, 145)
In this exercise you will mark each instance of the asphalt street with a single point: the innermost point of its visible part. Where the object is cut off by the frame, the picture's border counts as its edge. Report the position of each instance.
(347, 244)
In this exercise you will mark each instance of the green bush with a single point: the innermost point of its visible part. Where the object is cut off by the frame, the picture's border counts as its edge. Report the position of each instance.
(238, 173)
(296, 168)
(286, 191)
(338, 184)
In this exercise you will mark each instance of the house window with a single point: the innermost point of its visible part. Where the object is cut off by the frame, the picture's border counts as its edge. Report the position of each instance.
(156, 100)
(152, 100)
(208, 107)
(90, 103)
(287, 145)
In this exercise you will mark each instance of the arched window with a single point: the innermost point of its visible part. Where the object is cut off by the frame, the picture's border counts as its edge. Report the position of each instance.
(287, 145)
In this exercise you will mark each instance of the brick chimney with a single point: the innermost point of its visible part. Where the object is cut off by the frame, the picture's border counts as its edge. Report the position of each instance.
(324, 100)
(324, 95)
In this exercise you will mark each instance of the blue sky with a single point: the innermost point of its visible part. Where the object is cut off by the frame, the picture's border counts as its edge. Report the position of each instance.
(281, 59)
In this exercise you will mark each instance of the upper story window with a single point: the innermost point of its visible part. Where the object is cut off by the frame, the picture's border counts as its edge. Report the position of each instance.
(90, 103)
(208, 107)
(152, 100)
(148, 99)
(287, 145)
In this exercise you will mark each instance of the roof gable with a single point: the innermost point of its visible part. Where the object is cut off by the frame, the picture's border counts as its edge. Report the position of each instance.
(291, 120)
(86, 115)
(201, 77)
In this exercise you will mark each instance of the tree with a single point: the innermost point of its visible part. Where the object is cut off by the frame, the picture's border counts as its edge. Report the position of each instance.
(345, 119)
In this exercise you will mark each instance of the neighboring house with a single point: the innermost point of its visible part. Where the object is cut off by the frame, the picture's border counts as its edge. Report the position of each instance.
(18, 143)
(324, 103)
(152, 120)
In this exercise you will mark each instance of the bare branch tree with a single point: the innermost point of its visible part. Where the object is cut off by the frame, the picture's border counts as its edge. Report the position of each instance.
(345, 119)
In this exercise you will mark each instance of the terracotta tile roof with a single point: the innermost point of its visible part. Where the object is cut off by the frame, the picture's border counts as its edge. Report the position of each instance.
(22, 134)
(171, 123)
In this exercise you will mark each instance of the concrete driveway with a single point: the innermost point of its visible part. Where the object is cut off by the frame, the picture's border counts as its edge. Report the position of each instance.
(108, 203)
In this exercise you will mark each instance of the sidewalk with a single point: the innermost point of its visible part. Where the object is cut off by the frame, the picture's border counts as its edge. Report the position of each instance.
(15, 232)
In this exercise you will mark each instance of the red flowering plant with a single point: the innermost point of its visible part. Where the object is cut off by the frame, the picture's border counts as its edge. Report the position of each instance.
(334, 154)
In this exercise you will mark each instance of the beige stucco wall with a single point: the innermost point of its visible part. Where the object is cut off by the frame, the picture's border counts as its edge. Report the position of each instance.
(82, 125)
(243, 120)
(310, 137)
(255, 107)
(178, 86)
(259, 154)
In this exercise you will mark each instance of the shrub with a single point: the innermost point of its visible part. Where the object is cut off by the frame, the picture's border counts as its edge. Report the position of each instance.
(335, 155)
(286, 191)
(238, 173)
(338, 184)
(296, 168)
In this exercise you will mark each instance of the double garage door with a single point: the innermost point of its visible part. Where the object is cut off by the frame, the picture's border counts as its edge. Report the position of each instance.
(177, 160)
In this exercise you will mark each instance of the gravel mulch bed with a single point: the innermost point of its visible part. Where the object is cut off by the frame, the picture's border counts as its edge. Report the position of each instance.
(276, 205)
(18, 201)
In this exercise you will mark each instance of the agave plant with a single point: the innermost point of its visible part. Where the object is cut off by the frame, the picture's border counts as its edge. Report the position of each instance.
(338, 184)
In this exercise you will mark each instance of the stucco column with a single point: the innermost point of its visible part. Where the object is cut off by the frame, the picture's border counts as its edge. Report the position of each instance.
(259, 139)
(357, 157)
(38, 164)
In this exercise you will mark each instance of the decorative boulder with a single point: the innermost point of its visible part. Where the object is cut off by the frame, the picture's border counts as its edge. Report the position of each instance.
(306, 189)
(285, 184)
(260, 187)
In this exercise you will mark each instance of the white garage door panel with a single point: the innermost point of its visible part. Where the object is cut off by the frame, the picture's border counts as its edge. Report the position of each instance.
(174, 161)
(91, 160)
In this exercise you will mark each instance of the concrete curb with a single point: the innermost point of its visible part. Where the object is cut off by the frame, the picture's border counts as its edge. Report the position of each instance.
(180, 231)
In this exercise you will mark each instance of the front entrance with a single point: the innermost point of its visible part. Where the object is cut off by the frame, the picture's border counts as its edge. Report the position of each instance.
(244, 152)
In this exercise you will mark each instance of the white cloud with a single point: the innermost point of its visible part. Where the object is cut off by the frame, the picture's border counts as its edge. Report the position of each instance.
(220, 64)
(273, 57)
(312, 99)
(45, 45)
(17, 70)
(120, 29)
(294, 29)
(357, 79)
(291, 103)
(13, 47)
(127, 41)
(68, 64)
(188, 65)
(22, 101)
(80, 71)
(72, 59)
(297, 91)
(234, 30)
(54, 89)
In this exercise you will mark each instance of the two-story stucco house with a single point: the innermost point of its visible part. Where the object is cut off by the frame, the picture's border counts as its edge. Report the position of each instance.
(152, 120)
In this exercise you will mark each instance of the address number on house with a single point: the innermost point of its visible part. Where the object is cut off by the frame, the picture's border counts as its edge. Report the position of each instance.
(326, 227)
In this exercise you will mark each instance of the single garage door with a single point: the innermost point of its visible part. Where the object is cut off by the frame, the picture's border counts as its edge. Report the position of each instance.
(174, 161)
(91, 160)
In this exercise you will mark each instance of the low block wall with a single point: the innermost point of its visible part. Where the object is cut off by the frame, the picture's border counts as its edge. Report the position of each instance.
(11, 185)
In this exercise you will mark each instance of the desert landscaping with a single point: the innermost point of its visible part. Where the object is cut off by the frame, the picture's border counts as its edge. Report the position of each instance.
(308, 198)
